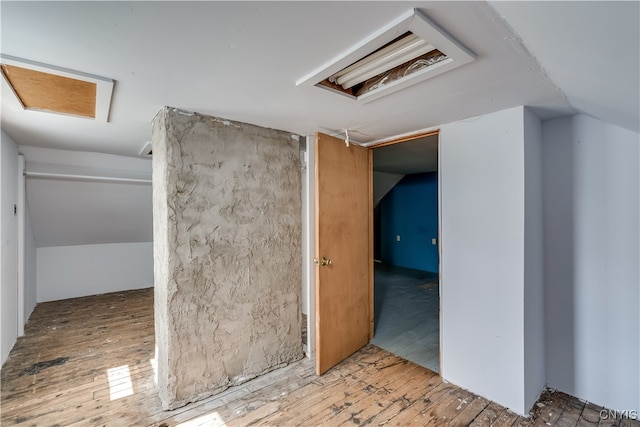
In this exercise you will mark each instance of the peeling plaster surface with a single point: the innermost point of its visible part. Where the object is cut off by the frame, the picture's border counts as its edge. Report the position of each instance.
(227, 253)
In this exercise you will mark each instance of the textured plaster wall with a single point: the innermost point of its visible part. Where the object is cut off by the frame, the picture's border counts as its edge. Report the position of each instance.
(227, 253)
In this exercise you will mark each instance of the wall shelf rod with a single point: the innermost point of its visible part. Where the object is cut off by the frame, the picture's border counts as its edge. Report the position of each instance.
(74, 177)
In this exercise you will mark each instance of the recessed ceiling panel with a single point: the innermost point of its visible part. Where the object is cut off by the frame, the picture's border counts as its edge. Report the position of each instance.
(406, 51)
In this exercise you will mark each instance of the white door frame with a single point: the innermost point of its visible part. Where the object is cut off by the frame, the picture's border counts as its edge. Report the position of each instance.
(21, 208)
(309, 242)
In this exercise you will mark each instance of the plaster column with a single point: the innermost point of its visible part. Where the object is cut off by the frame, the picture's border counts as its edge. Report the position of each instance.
(227, 253)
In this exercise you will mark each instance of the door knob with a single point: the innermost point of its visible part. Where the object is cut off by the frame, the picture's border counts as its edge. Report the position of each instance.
(324, 261)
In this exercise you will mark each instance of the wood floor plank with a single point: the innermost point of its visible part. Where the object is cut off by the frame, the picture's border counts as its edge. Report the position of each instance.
(550, 412)
(58, 373)
(470, 412)
(488, 415)
(234, 399)
(506, 419)
(333, 384)
(571, 411)
(341, 395)
(411, 414)
(590, 416)
(368, 408)
(366, 393)
(251, 407)
(80, 393)
(446, 410)
(405, 396)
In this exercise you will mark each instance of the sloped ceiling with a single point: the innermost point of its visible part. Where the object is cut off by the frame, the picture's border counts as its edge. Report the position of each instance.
(416, 156)
(85, 211)
(591, 50)
(240, 61)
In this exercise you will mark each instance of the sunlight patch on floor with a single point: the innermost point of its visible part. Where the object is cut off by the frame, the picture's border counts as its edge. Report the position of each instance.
(119, 382)
(212, 419)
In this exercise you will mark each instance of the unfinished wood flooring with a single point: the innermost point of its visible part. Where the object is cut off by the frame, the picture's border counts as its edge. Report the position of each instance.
(88, 362)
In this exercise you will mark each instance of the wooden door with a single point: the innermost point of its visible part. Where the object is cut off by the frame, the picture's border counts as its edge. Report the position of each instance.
(344, 269)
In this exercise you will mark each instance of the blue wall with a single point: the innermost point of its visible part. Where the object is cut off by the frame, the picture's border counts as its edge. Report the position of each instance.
(410, 210)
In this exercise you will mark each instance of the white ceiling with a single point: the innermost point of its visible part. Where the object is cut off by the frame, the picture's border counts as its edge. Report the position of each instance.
(240, 61)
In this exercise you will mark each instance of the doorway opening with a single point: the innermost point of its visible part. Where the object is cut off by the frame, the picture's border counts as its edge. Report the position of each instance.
(406, 249)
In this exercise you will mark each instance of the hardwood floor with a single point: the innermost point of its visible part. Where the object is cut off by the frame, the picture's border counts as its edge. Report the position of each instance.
(88, 362)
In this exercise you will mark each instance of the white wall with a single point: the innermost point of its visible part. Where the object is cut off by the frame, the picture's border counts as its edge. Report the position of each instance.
(75, 271)
(30, 294)
(591, 231)
(534, 355)
(8, 245)
(482, 174)
(87, 232)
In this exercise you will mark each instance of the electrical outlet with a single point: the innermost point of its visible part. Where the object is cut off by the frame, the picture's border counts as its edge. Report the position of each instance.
(398, 238)
(433, 241)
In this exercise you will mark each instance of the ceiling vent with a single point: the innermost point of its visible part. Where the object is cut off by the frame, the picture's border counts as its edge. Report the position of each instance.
(407, 51)
(146, 150)
(42, 87)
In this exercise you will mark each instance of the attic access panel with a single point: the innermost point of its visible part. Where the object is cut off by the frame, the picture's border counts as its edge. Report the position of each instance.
(406, 51)
(37, 90)
(46, 88)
